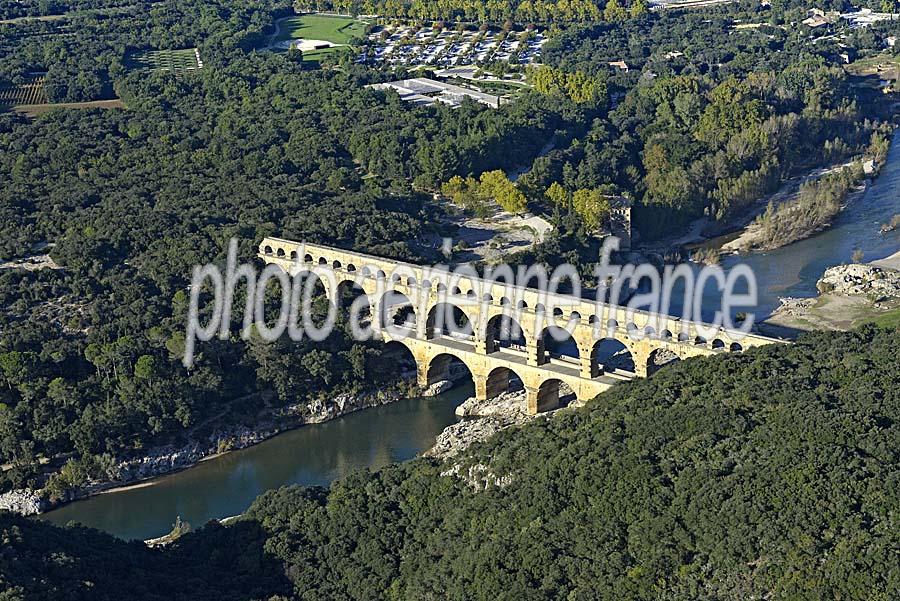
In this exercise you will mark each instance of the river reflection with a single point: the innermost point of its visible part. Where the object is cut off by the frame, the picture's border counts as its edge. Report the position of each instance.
(311, 455)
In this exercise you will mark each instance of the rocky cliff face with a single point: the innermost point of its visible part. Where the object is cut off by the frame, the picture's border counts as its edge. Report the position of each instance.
(485, 418)
(482, 420)
(861, 280)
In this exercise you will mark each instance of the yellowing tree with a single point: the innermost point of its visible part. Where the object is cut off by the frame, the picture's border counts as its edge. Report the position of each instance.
(592, 206)
(577, 86)
(495, 184)
(638, 8)
(614, 12)
(557, 195)
(465, 193)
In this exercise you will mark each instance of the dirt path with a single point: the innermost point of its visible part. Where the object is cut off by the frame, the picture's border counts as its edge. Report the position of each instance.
(33, 110)
(273, 39)
(38, 18)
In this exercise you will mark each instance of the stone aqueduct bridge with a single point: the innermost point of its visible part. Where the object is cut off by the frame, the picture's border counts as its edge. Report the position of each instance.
(485, 304)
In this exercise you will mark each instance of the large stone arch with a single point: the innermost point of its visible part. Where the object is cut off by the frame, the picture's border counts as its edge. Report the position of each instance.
(398, 353)
(547, 396)
(443, 366)
(347, 292)
(396, 310)
(613, 354)
(500, 380)
(503, 330)
(558, 343)
(448, 319)
(660, 358)
(312, 283)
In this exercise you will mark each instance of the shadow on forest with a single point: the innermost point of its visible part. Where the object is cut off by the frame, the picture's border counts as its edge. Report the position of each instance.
(42, 561)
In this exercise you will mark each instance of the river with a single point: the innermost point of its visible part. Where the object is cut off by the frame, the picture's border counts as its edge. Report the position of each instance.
(316, 455)
(794, 270)
(310, 455)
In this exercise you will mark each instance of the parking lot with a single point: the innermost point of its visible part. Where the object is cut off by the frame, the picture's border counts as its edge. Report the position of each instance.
(411, 47)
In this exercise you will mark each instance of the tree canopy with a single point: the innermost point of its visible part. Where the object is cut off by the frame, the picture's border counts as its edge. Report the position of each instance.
(767, 474)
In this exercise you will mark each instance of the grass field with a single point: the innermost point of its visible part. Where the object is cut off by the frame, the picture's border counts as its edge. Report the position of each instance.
(163, 60)
(891, 319)
(885, 65)
(32, 93)
(338, 30)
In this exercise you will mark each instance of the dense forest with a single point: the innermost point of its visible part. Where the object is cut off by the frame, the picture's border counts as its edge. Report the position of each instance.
(85, 53)
(39, 8)
(130, 200)
(160, 188)
(704, 126)
(771, 474)
(127, 201)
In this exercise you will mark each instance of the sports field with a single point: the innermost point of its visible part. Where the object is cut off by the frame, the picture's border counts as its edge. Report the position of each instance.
(338, 30)
(164, 60)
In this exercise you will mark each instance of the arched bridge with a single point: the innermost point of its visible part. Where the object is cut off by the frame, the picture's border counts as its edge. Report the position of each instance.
(499, 330)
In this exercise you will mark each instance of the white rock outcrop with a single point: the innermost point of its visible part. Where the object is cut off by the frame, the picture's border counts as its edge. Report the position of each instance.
(861, 280)
(438, 388)
(23, 502)
(483, 420)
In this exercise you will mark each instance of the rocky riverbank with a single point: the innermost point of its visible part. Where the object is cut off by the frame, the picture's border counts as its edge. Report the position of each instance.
(877, 283)
(483, 419)
(128, 472)
(756, 237)
(849, 295)
(25, 502)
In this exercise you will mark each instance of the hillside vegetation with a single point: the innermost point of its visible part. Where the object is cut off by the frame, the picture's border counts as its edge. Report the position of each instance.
(769, 475)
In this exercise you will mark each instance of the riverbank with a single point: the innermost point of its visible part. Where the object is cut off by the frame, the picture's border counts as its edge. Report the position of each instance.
(463, 422)
(747, 232)
(849, 296)
(892, 262)
(141, 472)
(754, 236)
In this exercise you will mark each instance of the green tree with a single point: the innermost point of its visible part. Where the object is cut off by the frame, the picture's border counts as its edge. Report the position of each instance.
(145, 367)
(318, 364)
(15, 367)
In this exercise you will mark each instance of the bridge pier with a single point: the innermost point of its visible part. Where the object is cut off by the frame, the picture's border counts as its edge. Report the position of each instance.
(536, 353)
(422, 375)
(590, 368)
(640, 354)
(544, 398)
